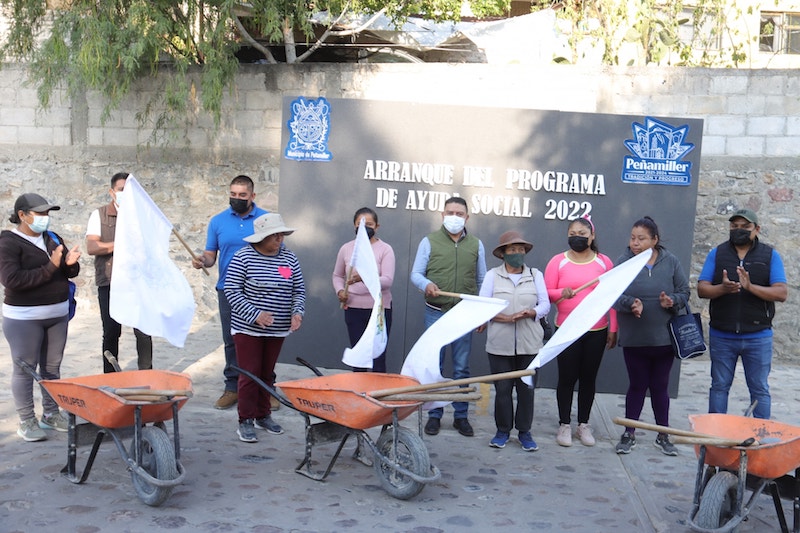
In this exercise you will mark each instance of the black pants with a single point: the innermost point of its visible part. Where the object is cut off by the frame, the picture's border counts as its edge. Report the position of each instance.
(579, 363)
(112, 331)
(506, 417)
(356, 320)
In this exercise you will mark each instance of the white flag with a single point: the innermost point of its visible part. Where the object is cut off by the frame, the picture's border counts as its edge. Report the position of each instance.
(148, 291)
(373, 341)
(422, 361)
(609, 288)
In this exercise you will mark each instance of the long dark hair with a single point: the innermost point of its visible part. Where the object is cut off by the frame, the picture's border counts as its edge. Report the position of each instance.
(652, 229)
(365, 211)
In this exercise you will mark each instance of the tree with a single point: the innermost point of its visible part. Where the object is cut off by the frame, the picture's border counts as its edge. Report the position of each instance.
(106, 46)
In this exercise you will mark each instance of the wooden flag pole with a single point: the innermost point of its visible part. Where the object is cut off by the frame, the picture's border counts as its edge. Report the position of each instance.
(191, 253)
(579, 289)
(452, 383)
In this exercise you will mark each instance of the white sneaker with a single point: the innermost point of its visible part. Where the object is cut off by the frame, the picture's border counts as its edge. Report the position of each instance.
(564, 435)
(30, 431)
(584, 433)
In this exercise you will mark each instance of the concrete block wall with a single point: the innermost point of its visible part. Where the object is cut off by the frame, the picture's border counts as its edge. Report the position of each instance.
(751, 142)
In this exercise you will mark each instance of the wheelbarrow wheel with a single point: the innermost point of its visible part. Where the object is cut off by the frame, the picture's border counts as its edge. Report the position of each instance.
(718, 501)
(158, 460)
(410, 454)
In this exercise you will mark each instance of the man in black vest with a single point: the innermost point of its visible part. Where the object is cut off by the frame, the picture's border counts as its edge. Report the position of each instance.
(100, 234)
(450, 260)
(743, 278)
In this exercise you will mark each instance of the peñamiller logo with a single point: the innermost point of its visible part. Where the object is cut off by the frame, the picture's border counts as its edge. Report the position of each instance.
(657, 149)
(309, 126)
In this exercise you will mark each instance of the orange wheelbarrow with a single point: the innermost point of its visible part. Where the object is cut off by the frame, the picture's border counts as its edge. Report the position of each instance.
(118, 405)
(345, 407)
(724, 473)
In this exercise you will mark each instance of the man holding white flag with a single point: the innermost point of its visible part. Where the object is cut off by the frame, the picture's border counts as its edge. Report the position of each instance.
(450, 260)
(362, 279)
(148, 291)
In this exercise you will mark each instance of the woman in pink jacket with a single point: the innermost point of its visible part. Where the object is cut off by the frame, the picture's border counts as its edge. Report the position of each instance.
(353, 295)
(579, 363)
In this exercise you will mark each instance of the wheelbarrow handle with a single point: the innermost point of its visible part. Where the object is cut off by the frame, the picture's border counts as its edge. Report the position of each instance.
(29, 369)
(271, 390)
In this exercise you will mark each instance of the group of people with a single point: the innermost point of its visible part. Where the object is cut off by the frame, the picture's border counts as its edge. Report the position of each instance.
(261, 295)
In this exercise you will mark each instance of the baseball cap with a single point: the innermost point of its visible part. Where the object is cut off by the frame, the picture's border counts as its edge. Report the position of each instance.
(746, 214)
(30, 201)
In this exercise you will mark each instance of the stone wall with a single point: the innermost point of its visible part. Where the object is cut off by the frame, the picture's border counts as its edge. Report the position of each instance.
(751, 143)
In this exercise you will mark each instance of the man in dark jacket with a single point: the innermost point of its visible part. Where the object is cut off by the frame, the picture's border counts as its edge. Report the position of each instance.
(743, 278)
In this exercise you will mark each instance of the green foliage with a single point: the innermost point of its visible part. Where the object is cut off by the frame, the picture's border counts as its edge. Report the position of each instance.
(106, 46)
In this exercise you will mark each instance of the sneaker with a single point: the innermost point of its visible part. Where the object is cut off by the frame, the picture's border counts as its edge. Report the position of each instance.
(246, 431)
(463, 426)
(564, 435)
(626, 443)
(269, 425)
(55, 421)
(667, 448)
(432, 426)
(30, 431)
(274, 404)
(499, 440)
(584, 433)
(227, 400)
(527, 442)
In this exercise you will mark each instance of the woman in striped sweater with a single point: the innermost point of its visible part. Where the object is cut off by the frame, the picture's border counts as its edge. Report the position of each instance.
(264, 285)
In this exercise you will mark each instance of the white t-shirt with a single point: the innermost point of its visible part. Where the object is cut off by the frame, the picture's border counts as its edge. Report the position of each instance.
(93, 227)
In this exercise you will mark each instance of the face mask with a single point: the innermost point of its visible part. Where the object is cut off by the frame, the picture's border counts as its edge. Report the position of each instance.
(454, 224)
(240, 206)
(39, 224)
(577, 243)
(370, 232)
(118, 198)
(740, 237)
(514, 260)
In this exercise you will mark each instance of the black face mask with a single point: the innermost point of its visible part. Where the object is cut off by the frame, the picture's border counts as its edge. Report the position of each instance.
(370, 232)
(577, 243)
(240, 206)
(740, 237)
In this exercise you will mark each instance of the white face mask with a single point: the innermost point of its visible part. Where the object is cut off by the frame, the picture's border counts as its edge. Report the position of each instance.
(454, 224)
(40, 223)
(118, 195)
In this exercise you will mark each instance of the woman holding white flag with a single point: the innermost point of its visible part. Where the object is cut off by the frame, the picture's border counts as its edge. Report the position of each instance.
(659, 291)
(570, 277)
(515, 336)
(354, 296)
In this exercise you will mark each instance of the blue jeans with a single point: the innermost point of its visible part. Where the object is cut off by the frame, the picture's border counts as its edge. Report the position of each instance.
(756, 357)
(460, 349)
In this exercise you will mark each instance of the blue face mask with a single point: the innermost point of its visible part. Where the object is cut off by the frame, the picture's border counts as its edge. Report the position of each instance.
(40, 223)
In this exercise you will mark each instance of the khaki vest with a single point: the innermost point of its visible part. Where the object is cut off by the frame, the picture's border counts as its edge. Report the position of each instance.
(523, 337)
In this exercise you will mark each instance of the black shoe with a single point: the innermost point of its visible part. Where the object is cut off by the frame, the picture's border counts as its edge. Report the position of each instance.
(432, 427)
(463, 426)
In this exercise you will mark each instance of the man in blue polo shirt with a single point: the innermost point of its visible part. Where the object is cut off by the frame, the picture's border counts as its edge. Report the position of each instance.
(743, 278)
(226, 233)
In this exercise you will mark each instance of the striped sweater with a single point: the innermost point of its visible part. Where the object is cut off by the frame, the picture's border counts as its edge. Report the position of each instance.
(256, 282)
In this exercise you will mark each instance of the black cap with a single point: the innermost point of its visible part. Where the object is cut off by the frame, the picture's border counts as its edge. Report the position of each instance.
(30, 201)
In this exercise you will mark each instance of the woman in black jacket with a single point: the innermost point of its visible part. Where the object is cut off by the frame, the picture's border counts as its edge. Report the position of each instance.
(34, 269)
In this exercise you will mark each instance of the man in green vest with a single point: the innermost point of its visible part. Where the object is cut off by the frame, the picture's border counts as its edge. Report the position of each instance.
(100, 234)
(450, 260)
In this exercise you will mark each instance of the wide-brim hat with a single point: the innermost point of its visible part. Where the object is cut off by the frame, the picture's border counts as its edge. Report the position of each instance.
(30, 201)
(267, 225)
(511, 237)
